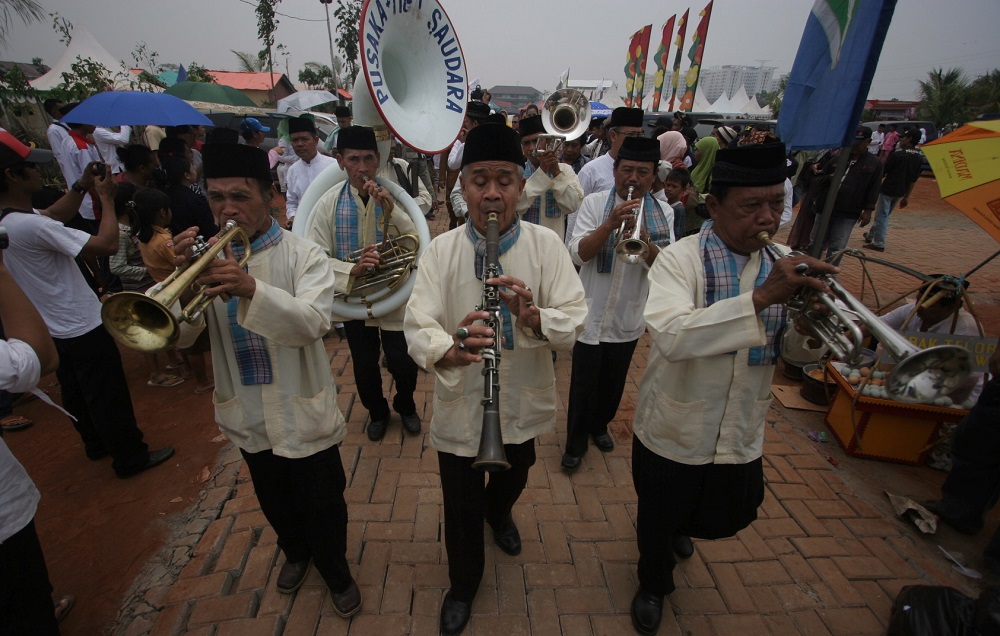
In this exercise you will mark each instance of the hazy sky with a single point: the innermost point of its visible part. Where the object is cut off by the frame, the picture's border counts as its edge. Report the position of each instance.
(530, 42)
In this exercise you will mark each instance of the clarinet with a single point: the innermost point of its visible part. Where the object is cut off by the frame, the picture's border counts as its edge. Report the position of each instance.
(491, 456)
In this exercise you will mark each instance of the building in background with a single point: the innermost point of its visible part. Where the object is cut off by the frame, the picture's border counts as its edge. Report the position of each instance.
(727, 79)
(892, 109)
(516, 96)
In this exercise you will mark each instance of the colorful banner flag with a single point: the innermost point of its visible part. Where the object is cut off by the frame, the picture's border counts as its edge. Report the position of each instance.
(695, 54)
(675, 79)
(832, 73)
(635, 64)
(661, 61)
(640, 65)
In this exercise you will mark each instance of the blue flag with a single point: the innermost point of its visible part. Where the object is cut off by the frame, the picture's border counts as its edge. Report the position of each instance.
(182, 73)
(832, 72)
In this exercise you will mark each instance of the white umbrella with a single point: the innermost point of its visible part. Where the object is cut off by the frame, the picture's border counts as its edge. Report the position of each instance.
(304, 100)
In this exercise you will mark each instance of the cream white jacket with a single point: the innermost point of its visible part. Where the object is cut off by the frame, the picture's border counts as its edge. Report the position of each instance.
(297, 414)
(446, 290)
(698, 404)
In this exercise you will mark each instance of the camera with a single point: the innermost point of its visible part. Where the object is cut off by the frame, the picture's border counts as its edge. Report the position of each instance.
(99, 169)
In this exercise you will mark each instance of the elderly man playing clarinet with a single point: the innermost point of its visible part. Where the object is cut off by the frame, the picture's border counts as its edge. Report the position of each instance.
(542, 309)
(715, 312)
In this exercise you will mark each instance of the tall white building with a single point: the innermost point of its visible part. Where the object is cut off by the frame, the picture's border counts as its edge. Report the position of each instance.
(716, 80)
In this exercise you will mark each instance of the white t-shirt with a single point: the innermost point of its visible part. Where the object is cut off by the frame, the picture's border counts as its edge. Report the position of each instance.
(19, 372)
(40, 258)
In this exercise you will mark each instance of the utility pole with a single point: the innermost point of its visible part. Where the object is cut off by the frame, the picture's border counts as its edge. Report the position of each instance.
(333, 60)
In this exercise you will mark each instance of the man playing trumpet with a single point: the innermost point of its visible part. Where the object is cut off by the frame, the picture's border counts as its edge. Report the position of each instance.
(347, 218)
(616, 292)
(715, 311)
(274, 393)
(543, 309)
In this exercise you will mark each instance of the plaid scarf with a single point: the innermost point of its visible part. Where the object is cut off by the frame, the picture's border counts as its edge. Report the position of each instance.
(507, 240)
(652, 217)
(347, 239)
(531, 215)
(251, 351)
(722, 280)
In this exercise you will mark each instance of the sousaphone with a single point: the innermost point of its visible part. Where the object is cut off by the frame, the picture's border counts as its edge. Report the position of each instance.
(413, 85)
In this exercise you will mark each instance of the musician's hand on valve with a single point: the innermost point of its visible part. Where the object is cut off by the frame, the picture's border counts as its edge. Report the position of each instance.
(788, 276)
(368, 261)
(226, 275)
(468, 339)
(520, 300)
(626, 210)
(549, 163)
(183, 244)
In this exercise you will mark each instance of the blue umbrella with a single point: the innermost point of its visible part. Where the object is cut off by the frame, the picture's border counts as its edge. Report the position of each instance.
(135, 108)
(597, 109)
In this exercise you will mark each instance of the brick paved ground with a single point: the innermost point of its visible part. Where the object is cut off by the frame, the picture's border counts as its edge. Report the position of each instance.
(825, 557)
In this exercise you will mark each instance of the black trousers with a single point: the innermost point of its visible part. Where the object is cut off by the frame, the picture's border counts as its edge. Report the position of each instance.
(595, 390)
(709, 501)
(973, 485)
(468, 501)
(95, 391)
(25, 591)
(365, 344)
(303, 500)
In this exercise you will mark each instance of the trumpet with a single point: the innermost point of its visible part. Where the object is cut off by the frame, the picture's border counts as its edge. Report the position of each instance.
(628, 246)
(146, 322)
(920, 375)
(565, 115)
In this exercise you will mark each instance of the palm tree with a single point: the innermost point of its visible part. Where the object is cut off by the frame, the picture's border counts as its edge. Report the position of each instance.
(27, 10)
(945, 95)
(985, 92)
(249, 62)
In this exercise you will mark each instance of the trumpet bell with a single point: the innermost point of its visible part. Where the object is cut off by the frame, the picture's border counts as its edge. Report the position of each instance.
(632, 251)
(929, 373)
(566, 113)
(139, 322)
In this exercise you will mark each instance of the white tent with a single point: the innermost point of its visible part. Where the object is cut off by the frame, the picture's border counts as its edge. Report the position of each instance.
(701, 104)
(83, 45)
(722, 105)
(755, 108)
(740, 100)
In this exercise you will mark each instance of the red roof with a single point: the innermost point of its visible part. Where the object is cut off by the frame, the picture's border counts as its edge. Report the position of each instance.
(890, 104)
(246, 81)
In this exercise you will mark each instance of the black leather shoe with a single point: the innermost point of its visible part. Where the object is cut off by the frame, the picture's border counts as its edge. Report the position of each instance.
(155, 458)
(95, 453)
(411, 423)
(341, 331)
(571, 462)
(604, 443)
(647, 610)
(682, 546)
(507, 537)
(872, 246)
(454, 615)
(376, 429)
(348, 602)
(291, 575)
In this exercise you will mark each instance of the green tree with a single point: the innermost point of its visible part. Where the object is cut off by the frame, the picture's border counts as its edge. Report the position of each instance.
(984, 93)
(198, 73)
(772, 99)
(945, 96)
(348, 15)
(249, 62)
(28, 10)
(267, 24)
(85, 78)
(316, 75)
(146, 60)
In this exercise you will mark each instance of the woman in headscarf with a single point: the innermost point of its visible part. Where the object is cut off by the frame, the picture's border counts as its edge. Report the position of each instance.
(673, 148)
